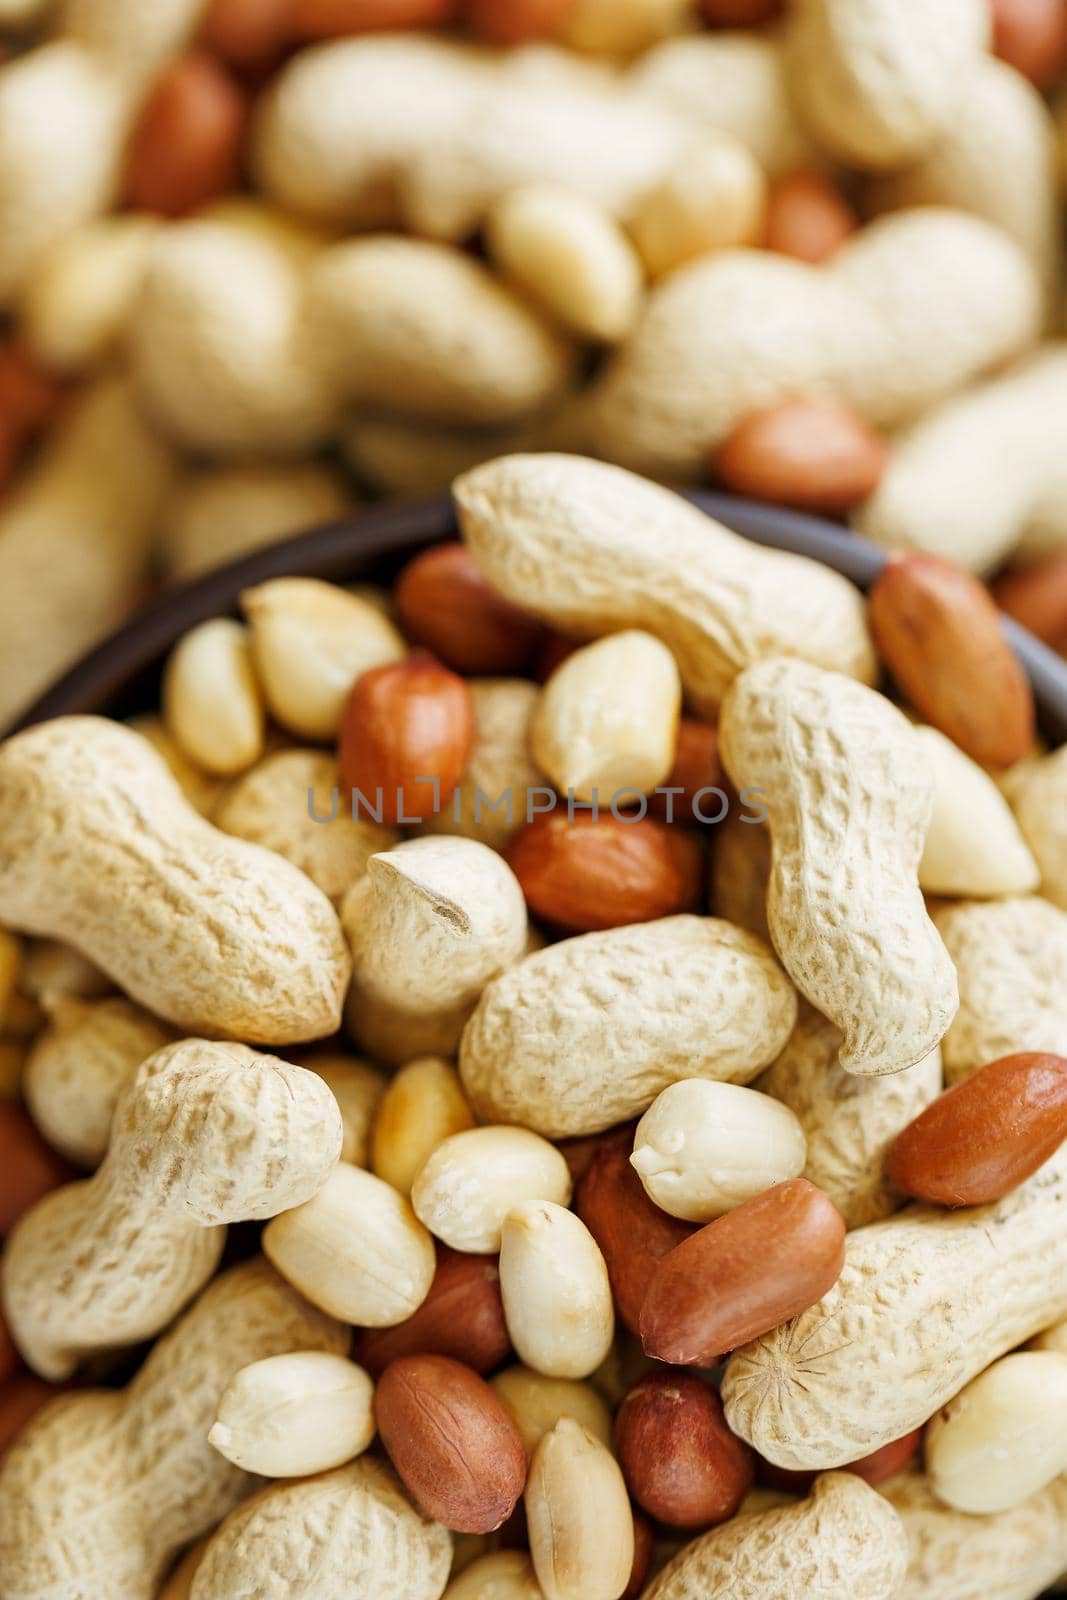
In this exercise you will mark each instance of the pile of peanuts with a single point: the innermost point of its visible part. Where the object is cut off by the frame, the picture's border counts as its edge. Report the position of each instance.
(617, 981)
(261, 259)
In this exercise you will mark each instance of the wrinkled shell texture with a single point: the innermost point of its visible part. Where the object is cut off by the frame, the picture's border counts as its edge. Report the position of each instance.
(849, 803)
(272, 806)
(205, 1135)
(1011, 960)
(350, 1532)
(100, 848)
(842, 1543)
(108, 1518)
(592, 549)
(1013, 1555)
(927, 1299)
(586, 1033)
(849, 1121)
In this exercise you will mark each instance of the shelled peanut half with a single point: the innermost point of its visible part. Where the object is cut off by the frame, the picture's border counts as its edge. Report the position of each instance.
(261, 259)
(473, 1119)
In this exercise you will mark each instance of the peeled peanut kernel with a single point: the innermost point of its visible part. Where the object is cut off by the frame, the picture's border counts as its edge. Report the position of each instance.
(984, 1136)
(446, 606)
(293, 1415)
(557, 1298)
(462, 1317)
(584, 873)
(974, 846)
(185, 147)
(472, 1180)
(311, 641)
(680, 1460)
(537, 1402)
(356, 1250)
(807, 217)
(714, 200)
(607, 719)
(423, 1105)
(578, 1513)
(622, 27)
(491, 800)
(211, 698)
(505, 1575)
(1003, 1437)
(570, 254)
(817, 455)
(357, 1086)
(200, 789)
(452, 1441)
(703, 1148)
(743, 1274)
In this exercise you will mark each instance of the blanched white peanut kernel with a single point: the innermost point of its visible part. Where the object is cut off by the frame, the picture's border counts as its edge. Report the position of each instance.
(292, 1415)
(557, 1298)
(79, 1067)
(607, 720)
(356, 1250)
(712, 200)
(1003, 1437)
(311, 641)
(581, 1528)
(211, 698)
(423, 1105)
(537, 1402)
(703, 1148)
(571, 255)
(429, 924)
(357, 1086)
(504, 1575)
(973, 846)
(294, 802)
(472, 1180)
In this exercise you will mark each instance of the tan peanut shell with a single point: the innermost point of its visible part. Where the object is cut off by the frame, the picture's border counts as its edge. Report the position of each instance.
(79, 1067)
(430, 923)
(878, 84)
(1011, 961)
(294, 803)
(586, 1033)
(219, 513)
(75, 307)
(592, 549)
(75, 532)
(849, 801)
(927, 1299)
(501, 767)
(997, 441)
(206, 1134)
(1040, 805)
(842, 1543)
(1013, 1555)
(104, 1488)
(354, 1532)
(916, 306)
(849, 1121)
(200, 943)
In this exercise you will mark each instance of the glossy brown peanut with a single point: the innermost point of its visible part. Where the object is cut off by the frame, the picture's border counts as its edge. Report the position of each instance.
(583, 873)
(404, 725)
(680, 1461)
(452, 1441)
(513, 22)
(984, 1136)
(644, 1550)
(938, 632)
(807, 217)
(328, 19)
(246, 33)
(1031, 35)
(1036, 596)
(743, 1274)
(632, 1232)
(186, 147)
(20, 1401)
(445, 605)
(696, 767)
(462, 1316)
(29, 1168)
(817, 455)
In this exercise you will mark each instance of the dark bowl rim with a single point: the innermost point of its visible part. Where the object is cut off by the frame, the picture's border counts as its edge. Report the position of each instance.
(334, 551)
